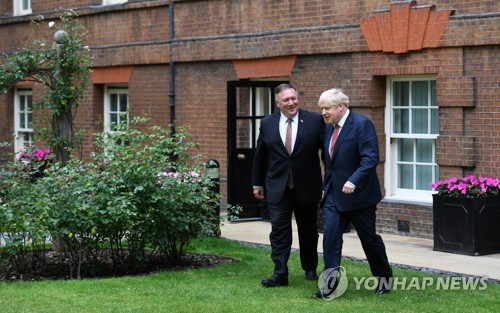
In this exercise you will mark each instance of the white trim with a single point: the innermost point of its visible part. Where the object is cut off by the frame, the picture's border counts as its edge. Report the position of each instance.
(18, 141)
(113, 89)
(390, 169)
(18, 7)
(110, 2)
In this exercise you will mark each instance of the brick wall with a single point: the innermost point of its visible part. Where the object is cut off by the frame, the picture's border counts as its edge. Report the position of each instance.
(418, 218)
(6, 125)
(15, 36)
(49, 6)
(482, 121)
(142, 25)
(331, 52)
(215, 18)
(148, 94)
(201, 102)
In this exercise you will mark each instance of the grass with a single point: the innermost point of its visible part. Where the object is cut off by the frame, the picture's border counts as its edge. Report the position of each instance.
(234, 288)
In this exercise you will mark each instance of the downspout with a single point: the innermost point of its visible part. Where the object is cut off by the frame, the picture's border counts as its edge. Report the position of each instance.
(171, 94)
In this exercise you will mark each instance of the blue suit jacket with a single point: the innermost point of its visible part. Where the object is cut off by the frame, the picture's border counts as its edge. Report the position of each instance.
(272, 163)
(354, 159)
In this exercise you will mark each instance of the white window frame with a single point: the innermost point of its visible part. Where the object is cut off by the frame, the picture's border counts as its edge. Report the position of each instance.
(111, 2)
(391, 174)
(22, 7)
(21, 128)
(118, 90)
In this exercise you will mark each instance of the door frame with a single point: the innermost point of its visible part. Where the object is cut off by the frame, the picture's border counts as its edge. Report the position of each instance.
(232, 136)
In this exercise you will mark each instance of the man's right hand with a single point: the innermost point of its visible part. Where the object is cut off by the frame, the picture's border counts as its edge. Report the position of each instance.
(258, 193)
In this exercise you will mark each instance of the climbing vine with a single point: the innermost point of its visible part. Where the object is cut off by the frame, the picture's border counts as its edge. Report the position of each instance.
(63, 67)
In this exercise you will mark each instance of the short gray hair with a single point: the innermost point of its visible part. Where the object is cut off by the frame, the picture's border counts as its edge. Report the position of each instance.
(282, 87)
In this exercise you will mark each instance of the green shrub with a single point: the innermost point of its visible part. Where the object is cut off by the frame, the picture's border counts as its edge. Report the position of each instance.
(140, 191)
(23, 217)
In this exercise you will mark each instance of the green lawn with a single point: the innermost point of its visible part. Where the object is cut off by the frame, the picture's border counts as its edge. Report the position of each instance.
(233, 288)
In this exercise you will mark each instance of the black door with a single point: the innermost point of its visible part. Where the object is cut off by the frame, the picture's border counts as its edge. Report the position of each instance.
(248, 103)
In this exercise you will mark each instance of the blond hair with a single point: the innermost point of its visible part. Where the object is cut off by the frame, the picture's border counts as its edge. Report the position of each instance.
(333, 98)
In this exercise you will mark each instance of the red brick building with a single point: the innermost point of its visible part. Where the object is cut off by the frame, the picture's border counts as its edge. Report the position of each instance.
(426, 72)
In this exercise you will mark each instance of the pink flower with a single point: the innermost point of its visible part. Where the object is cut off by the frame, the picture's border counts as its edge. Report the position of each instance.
(194, 174)
(469, 186)
(42, 154)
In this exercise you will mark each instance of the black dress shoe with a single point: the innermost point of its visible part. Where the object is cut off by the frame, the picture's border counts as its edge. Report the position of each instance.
(277, 280)
(381, 291)
(317, 295)
(384, 285)
(311, 275)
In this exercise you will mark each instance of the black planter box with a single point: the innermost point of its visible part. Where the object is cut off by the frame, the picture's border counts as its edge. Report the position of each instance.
(468, 226)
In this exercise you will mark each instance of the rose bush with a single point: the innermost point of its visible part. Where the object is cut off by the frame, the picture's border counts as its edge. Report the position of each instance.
(35, 161)
(140, 191)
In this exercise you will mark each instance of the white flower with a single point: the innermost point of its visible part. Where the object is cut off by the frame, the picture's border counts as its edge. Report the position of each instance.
(42, 44)
(51, 24)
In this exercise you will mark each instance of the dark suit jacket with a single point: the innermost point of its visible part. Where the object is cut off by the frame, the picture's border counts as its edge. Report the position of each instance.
(355, 159)
(272, 163)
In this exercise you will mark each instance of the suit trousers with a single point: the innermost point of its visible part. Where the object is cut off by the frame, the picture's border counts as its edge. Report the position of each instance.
(363, 221)
(281, 232)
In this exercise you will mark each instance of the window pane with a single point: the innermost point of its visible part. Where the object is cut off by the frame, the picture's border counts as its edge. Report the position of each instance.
(26, 4)
(243, 133)
(123, 103)
(419, 93)
(405, 179)
(113, 120)
(257, 132)
(401, 121)
(243, 101)
(434, 121)
(405, 150)
(22, 103)
(433, 93)
(22, 121)
(435, 110)
(29, 117)
(26, 139)
(424, 151)
(424, 177)
(401, 94)
(113, 102)
(29, 103)
(123, 117)
(419, 121)
(263, 101)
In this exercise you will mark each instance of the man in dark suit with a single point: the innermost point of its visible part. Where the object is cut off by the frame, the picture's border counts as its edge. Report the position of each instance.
(351, 189)
(287, 166)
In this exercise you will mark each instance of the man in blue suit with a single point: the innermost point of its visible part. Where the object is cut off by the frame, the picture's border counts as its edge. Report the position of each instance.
(351, 189)
(287, 166)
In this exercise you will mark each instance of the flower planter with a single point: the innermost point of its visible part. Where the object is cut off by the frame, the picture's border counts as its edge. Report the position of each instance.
(466, 225)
